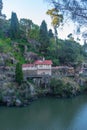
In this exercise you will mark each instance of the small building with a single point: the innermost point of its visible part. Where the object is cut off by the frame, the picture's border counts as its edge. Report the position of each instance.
(43, 67)
(39, 67)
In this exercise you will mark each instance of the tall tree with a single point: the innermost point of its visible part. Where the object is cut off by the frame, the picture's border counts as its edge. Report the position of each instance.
(56, 19)
(26, 25)
(75, 9)
(70, 52)
(50, 33)
(43, 38)
(14, 26)
(1, 6)
(34, 32)
(19, 73)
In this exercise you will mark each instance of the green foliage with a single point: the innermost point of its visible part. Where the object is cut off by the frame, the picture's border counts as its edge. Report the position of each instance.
(19, 57)
(25, 27)
(69, 52)
(56, 18)
(84, 50)
(38, 40)
(19, 73)
(4, 27)
(64, 87)
(43, 38)
(5, 45)
(66, 7)
(50, 33)
(34, 33)
(14, 26)
(56, 86)
(65, 52)
(1, 28)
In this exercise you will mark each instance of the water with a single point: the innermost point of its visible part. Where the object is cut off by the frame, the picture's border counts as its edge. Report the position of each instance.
(47, 114)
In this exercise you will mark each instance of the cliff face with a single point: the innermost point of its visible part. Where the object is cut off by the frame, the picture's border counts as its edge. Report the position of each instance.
(7, 73)
(11, 94)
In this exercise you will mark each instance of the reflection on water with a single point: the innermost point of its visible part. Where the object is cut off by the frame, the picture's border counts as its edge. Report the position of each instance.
(47, 114)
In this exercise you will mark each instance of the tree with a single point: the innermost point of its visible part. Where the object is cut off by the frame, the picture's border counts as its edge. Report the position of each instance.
(19, 73)
(56, 19)
(50, 33)
(64, 87)
(1, 6)
(43, 38)
(70, 52)
(26, 25)
(75, 9)
(34, 32)
(57, 86)
(14, 26)
(4, 28)
(70, 36)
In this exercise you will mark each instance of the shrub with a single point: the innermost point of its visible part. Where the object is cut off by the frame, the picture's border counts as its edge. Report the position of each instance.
(64, 87)
(19, 73)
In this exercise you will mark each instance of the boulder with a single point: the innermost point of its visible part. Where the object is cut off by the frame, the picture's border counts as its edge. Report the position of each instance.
(18, 102)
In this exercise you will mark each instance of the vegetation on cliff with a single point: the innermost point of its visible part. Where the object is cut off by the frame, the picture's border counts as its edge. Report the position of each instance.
(64, 87)
(22, 41)
(19, 73)
(37, 39)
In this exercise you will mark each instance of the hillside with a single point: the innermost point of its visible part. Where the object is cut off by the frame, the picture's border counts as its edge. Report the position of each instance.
(19, 37)
(25, 42)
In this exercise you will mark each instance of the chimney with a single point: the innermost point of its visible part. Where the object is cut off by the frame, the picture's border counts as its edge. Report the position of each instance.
(43, 58)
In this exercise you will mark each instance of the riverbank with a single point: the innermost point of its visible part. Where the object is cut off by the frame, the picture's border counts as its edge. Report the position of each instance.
(11, 94)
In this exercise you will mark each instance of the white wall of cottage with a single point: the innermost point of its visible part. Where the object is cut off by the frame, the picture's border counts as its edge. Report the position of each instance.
(41, 69)
(43, 66)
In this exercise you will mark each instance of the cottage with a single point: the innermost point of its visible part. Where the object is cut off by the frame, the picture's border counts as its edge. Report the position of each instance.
(41, 67)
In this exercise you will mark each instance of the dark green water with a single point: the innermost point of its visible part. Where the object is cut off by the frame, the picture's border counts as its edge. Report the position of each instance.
(47, 114)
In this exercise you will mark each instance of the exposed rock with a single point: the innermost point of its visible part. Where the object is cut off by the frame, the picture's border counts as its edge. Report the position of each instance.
(5, 58)
(31, 56)
(18, 103)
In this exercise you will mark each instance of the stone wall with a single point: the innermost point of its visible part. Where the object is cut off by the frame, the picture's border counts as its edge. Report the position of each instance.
(62, 71)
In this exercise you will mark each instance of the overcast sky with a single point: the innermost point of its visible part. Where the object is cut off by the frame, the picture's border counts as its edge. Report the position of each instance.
(34, 10)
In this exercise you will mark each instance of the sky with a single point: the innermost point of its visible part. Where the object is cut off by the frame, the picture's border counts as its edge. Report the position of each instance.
(34, 10)
(31, 9)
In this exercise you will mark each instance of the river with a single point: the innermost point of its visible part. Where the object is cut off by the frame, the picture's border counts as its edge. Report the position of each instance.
(47, 114)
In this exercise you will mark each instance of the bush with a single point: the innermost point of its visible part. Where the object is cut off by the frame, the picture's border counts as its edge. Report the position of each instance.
(56, 86)
(19, 73)
(64, 87)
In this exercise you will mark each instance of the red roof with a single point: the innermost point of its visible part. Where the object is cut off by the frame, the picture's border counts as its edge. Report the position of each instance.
(27, 65)
(45, 62)
(38, 62)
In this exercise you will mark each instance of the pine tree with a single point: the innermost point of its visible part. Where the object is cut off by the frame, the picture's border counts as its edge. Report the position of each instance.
(1, 6)
(50, 33)
(43, 38)
(14, 26)
(19, 73)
